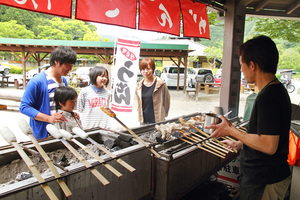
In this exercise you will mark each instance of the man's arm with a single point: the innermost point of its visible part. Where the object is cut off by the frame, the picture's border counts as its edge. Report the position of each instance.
(265, 143)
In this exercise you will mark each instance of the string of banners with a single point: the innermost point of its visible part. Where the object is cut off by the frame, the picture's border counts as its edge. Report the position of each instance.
(155, 15)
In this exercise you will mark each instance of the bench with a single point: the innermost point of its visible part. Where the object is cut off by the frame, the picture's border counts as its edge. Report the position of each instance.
(190, 90)
(248, 88)
(209, 87)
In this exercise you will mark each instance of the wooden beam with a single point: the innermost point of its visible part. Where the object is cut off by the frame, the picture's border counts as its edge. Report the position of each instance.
(245, 2)
(293, 7)
(261, 5)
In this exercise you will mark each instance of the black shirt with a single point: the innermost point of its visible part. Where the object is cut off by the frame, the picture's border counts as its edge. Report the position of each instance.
(271, 115)
(147, 103)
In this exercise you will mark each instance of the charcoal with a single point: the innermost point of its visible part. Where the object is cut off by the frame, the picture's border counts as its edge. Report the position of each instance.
(121, 143)
(63, 161)
(132, 142)
(117, 148)
(125, 144)
(109, 143)
(125, 138)
(23, 176)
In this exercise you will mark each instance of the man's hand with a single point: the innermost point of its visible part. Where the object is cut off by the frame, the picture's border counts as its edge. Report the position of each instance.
(57, 117)
(221, 129)
(235, 145)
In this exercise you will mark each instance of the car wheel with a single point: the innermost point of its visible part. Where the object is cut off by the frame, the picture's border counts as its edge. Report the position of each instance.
(208, 78)
(6, 71)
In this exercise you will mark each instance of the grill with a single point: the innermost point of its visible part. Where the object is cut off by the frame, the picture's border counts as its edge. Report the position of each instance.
(180, 168)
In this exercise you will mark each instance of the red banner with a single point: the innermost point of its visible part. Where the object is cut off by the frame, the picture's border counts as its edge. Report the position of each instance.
(195, 20)
(160, 15)
(53, 7)
(116, 12)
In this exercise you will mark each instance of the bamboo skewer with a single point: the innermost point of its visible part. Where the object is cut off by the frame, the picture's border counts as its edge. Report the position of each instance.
(108, 166)
(69, 136)
(119, 160)
(214, 145)
(10, 138)
(205, 145)
(26, 129)
(222, 148)
(202, 132)
(200, 147)
(112, 114)
(82, 134)
(57, 134)
(99, 176)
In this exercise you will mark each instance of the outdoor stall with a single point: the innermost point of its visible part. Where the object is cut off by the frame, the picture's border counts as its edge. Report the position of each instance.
(164, 165)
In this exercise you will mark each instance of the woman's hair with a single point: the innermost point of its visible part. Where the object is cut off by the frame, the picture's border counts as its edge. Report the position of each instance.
(62, 94)
(98, 71)
(262, 51)
(145, 62)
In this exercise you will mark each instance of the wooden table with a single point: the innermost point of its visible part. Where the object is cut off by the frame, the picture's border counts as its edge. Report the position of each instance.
(4, 82)
(208, 87)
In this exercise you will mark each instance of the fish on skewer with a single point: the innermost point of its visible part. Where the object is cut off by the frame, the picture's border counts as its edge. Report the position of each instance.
(57, 134)
(10, 138)
(200, 146)
(79, 132)
(27, 130)
(110, 113)
(186, 135)
(181, 120)
(69, 136)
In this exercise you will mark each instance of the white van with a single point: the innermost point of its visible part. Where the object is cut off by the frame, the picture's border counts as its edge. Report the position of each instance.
(169, 75)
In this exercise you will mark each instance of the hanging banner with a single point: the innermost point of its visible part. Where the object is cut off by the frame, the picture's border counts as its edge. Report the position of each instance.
(160, 15)
(125, 75)
(53, 7)
(116, 12)
(195, 20)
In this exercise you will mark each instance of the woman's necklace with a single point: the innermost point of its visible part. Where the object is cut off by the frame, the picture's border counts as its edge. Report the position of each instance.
(268, 84)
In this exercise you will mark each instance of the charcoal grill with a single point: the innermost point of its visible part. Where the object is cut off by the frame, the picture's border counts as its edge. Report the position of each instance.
(180, 169)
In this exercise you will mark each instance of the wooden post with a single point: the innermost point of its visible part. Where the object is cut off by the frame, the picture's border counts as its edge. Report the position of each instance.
(242, 89)
(206, 89)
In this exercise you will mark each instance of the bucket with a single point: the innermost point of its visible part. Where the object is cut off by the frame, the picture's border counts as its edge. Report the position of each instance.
(210, 119)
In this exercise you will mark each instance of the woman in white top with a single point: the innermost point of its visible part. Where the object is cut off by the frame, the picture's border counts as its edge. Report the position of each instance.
(92, 98)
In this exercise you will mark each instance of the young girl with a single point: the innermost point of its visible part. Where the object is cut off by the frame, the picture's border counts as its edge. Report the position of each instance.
(92, 98)
(65, 99)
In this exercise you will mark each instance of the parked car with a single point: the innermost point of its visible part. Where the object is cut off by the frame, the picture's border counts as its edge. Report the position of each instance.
(4, 70)
(169, 75)
(200, 75)
(82, 74)
(31, 73)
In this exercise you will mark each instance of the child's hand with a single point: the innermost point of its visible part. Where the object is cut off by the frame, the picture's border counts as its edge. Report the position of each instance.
(57, 117)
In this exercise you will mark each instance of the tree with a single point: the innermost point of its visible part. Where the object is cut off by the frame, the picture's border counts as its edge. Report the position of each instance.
(279, 28)
(92, 36)
(13, 30)
(50, 33)
(213, 53)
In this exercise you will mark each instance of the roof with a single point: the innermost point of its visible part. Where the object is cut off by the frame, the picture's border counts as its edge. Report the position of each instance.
(195, 47)
(89, 47)
(288, 9)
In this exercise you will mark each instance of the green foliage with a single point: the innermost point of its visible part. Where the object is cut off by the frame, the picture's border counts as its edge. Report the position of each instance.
(13, 30)
(50, 33)
(92, 36)
(15, 69)
(279, 28)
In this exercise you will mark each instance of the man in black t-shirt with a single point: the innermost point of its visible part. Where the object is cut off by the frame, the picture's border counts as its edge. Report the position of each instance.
(265, 172)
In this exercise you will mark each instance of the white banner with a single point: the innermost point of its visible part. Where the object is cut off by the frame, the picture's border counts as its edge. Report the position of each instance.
(125, 75)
